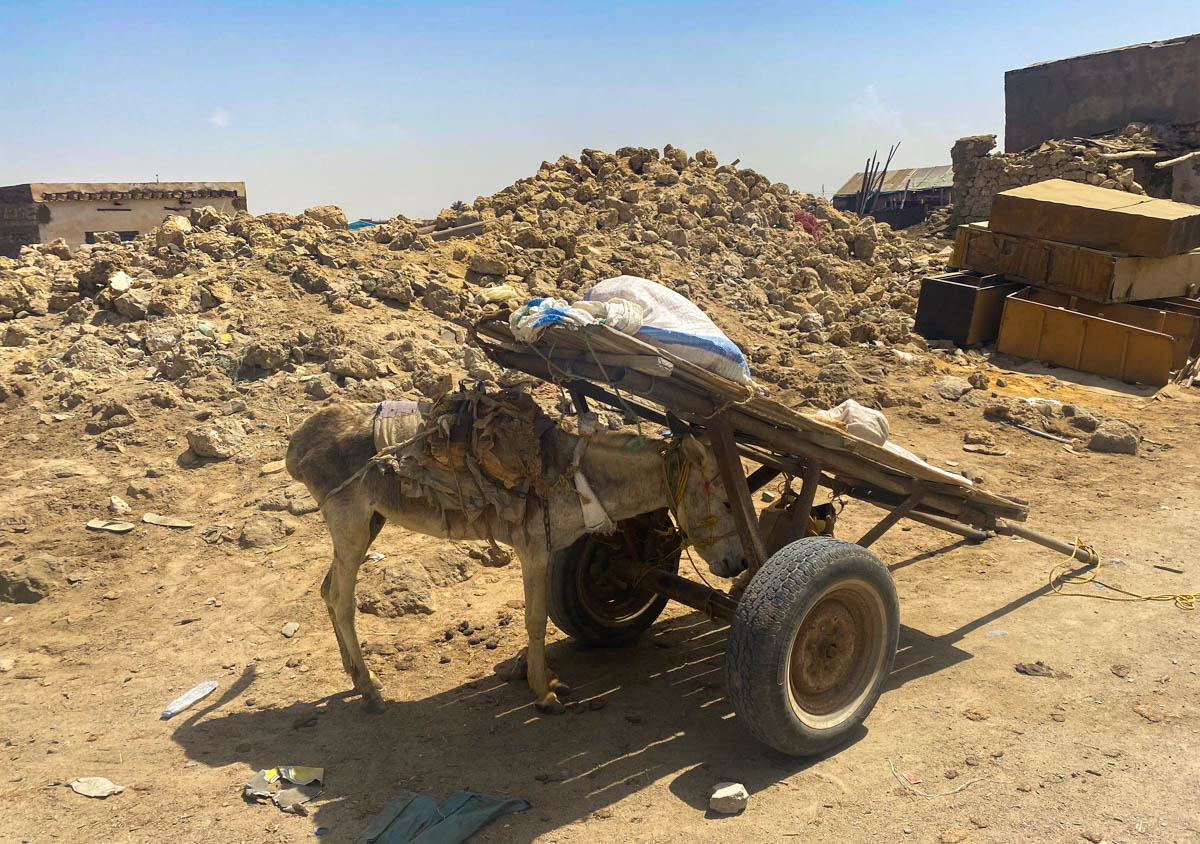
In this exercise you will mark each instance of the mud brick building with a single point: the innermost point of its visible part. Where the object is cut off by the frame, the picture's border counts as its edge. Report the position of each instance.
(40, 212)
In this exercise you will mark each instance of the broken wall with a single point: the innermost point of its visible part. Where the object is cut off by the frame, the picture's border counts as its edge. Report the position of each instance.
(1101, 92)
(979, 176)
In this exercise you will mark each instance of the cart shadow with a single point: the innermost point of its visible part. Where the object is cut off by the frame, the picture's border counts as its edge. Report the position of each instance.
(638, 715)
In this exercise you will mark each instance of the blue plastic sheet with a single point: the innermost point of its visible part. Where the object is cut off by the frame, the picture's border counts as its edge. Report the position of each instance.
(411, 818)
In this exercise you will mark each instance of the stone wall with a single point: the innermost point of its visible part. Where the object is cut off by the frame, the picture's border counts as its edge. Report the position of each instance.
(1101, 92)
(978, 176)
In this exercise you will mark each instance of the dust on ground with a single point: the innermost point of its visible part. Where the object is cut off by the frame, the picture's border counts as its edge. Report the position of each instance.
(176, 398)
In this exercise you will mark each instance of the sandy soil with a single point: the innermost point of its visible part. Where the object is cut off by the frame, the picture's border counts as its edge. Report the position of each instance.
(1104, 749)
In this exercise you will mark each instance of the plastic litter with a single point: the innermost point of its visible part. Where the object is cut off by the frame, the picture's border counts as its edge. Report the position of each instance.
(188, 698)
(110, 525)
(95, 787)
(288, 786)
(166, 521)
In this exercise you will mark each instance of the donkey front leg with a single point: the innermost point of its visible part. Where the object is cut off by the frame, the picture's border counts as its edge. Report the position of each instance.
(535, 575)
(352, 534)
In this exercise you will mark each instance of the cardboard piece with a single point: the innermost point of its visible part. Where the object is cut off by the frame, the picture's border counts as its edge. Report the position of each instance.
(1110, 220)
(1090, 273)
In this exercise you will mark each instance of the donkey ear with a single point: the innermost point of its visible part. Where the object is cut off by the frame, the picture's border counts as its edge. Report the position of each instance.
(678, 427)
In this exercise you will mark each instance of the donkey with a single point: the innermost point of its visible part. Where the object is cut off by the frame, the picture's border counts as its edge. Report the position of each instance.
(336, 442)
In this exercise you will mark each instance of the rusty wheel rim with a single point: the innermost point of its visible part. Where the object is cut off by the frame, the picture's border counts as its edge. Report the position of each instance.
(836, 654)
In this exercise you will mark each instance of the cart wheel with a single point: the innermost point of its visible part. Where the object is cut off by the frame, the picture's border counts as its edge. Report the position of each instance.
(591, 598)
(812, 644)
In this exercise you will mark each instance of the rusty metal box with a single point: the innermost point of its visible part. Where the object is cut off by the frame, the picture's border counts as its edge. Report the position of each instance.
(962, 307)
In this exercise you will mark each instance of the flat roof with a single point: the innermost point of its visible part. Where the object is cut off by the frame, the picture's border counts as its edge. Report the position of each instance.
(65, 191)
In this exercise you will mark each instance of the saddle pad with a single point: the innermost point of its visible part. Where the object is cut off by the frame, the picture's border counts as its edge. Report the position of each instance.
(395, 422)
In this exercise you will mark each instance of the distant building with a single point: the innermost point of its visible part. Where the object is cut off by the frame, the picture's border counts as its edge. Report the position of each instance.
(906, 196)
(42, 212)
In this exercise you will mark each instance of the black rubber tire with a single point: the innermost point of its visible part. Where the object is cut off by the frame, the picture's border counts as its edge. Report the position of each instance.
(619, 616)
(834, 577)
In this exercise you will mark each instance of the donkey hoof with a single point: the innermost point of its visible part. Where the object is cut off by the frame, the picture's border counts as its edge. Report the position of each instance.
(551, 705)
(560, 688)
(374, 704)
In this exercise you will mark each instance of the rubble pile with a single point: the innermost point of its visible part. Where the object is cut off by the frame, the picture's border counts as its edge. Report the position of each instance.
(206, 306)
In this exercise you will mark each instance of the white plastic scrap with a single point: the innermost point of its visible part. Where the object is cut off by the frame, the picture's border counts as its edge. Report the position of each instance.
(529, 321)
(95, 787)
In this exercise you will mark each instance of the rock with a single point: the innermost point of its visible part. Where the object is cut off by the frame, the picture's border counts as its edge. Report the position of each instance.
(222, 439)
(327, 215)
(1082, 420)
(443, 301)
(172, 232)
(979, 380)
(321, 387)
(118, 506)
(266, 354)
(18, 335)
(728, 798)
(951, 388)
(92, 354)
(839, 373)
(290, 629)
(351, 364)
(21, 583)
(403, 587)
(979, 438)
(134, 303)
(107, 415)
(1115, 437)
(263, 532)
(485, 263)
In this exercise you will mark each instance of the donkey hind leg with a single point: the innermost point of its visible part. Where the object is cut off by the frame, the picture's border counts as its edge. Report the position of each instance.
(352, 536)
(543, 682)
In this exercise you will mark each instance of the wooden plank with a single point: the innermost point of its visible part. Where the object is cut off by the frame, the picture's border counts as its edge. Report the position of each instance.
(1187, 156)
(810, 480)
(649, 364)
(1031, 329)
(721, 437)
(1091, 273)
(891, 518)
(1112, 220)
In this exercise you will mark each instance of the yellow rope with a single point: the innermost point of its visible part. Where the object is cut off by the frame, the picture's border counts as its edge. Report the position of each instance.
(1183, 600)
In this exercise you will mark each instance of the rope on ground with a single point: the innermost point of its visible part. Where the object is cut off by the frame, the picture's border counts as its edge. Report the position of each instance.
(916, 790)
(1183, 600)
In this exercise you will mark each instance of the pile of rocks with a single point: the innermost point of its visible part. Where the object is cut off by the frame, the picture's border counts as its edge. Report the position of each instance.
(202, 303)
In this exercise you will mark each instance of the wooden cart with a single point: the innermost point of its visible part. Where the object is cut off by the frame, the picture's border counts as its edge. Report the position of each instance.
(813, 635)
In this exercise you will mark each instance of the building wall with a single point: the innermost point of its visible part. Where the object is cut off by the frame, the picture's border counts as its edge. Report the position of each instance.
(1100, 92)
(73, 219)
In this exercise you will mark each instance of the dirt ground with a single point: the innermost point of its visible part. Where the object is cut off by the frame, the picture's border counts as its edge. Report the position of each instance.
(1103, 749)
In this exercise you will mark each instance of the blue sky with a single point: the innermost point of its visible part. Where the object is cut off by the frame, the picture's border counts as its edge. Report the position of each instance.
(388, 108)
